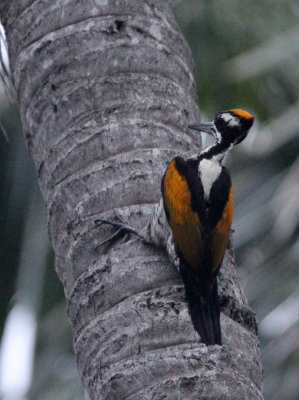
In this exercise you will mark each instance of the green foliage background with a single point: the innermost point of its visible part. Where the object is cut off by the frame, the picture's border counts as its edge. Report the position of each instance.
(246, 55)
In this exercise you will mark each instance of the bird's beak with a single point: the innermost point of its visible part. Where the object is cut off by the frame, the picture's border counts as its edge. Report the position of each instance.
(207, 127)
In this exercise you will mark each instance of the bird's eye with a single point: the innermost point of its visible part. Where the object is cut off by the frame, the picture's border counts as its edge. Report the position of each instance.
(230, 120)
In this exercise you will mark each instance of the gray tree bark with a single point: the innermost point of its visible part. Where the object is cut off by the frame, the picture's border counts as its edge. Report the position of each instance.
(106, 91)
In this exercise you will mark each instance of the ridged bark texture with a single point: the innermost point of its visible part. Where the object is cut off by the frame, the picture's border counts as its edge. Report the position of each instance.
(106, 92)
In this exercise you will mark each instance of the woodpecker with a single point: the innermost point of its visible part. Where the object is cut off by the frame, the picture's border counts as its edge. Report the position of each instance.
(194, 216)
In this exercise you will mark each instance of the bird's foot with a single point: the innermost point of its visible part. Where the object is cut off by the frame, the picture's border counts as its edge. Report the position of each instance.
(121, 229)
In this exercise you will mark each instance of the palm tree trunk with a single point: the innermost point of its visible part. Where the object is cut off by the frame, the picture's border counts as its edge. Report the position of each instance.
(105, 91)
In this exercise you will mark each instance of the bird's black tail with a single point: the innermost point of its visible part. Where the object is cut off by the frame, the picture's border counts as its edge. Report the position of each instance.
(205, 314)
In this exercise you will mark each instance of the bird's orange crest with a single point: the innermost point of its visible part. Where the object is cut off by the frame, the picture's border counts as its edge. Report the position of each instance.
(241, 113)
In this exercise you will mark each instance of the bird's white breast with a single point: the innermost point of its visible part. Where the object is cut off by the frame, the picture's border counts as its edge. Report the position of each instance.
(209, 171)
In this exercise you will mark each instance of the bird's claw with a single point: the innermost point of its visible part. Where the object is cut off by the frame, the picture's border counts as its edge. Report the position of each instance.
(121, 230)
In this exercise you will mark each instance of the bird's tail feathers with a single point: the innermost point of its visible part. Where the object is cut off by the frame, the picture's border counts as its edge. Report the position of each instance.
(205, 314)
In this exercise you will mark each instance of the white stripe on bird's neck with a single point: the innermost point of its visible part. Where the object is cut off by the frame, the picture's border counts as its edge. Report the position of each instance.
(209, 170)
(209, 167)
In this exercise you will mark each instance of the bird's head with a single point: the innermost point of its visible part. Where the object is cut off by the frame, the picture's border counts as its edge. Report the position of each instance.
(229, 127)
